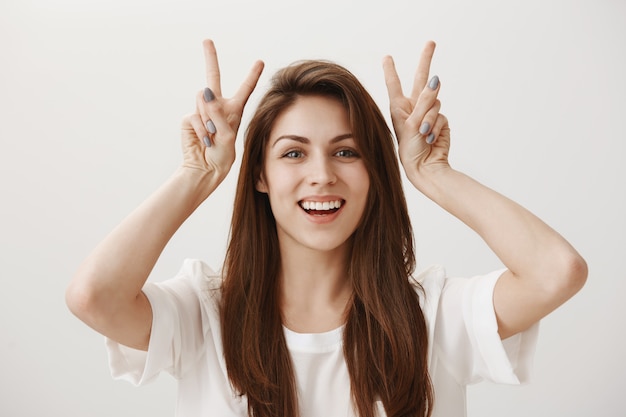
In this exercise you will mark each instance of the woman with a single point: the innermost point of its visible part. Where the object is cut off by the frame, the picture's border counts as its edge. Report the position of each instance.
(316, 311)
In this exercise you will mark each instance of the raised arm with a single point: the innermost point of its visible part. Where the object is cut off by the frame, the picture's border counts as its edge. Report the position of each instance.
(544, 270)
(106, 290)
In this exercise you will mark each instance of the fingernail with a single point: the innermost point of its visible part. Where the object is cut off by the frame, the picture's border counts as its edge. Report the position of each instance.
(210, 127)
(424, 128)
(206, 141)
(430, 139)
(433, 83)
(208, 94)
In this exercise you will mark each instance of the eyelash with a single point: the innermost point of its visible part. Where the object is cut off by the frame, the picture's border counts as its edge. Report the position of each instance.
(290, 154)
(351, 153)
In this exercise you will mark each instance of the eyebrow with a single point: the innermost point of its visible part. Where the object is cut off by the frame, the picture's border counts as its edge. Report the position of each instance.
(303, 139)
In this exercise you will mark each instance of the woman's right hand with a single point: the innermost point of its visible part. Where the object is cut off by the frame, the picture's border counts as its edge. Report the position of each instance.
(208, 135)
(106, 292)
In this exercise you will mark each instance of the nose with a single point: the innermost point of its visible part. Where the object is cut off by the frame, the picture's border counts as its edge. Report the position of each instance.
(321, 171)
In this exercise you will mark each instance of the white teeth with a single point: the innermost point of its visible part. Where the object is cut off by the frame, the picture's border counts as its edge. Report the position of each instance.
(318, 205)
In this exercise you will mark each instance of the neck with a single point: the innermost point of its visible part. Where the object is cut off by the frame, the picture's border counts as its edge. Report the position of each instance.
(314, 289)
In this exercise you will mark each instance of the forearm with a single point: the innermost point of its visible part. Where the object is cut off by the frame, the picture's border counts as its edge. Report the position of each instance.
(526, 245)
(119, 266)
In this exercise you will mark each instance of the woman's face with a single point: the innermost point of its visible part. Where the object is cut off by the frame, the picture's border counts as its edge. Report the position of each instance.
(313, 175)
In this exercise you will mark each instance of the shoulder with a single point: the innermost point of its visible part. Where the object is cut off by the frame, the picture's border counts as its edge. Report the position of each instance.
(430, 278)
(429, 282)
(200, 276)
(196, 285)
(444, 295)
(434, 281)
(429, 285)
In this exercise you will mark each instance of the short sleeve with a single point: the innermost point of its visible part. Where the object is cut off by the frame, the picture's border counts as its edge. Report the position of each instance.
(177, 332)
(466, 339)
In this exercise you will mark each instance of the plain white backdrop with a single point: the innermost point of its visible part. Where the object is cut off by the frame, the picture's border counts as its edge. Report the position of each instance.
(91, 98)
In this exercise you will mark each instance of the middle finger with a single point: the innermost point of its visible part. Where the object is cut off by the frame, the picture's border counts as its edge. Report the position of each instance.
(423, 69)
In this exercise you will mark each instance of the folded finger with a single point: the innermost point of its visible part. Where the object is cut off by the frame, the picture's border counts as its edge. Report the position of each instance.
(205, 126)
(212, 114)
(429, 119)
(440, 122)
(427, 103)
(193, 122)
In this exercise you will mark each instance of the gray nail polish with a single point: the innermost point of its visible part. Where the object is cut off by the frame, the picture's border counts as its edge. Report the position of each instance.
(208, 95)
(434, 82)
(424, 128)
(210, 127)
(206, 141)
(430, 139)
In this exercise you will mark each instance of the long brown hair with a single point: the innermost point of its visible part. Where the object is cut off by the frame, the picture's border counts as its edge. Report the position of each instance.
(385, 336)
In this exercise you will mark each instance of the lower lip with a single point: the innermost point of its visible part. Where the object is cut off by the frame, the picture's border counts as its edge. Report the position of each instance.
(322, 218)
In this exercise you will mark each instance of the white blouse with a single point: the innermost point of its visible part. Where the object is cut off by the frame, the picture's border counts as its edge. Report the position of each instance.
(185, 341)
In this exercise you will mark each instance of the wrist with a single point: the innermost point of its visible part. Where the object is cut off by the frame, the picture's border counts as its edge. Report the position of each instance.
(428, 178)
(198, 184)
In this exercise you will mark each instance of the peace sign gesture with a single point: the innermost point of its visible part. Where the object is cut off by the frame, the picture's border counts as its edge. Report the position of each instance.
(208, 135)
(423, 133)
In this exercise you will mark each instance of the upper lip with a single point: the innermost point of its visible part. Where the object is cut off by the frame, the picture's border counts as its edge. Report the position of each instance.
(322, 198)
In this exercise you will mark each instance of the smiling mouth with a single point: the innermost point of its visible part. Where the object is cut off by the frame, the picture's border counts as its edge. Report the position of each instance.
(319, 208)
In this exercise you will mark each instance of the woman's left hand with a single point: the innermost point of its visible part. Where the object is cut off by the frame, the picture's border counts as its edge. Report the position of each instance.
(543, 270)
(423, 133)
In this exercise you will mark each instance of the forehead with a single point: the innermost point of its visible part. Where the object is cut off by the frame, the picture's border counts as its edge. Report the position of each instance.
(312, 117)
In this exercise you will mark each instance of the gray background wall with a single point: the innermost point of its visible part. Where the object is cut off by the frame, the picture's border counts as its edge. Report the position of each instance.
(91, 97)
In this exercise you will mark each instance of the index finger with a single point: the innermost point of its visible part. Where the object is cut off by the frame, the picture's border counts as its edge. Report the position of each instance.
(394, 87)
(212, 67)
(423, 69)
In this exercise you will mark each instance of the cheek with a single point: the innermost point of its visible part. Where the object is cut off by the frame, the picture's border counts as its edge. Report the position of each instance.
(279, 181)
(360, 179)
